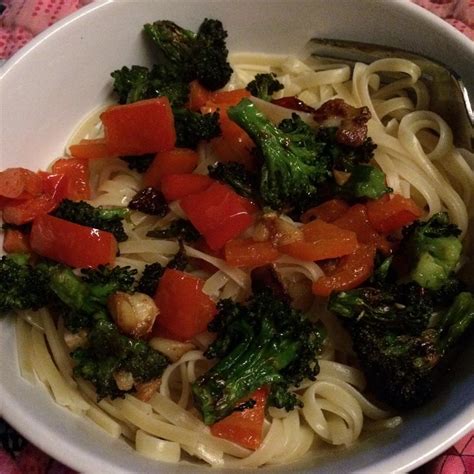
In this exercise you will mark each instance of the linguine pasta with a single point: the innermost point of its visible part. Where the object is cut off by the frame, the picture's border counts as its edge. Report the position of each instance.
(415, 151)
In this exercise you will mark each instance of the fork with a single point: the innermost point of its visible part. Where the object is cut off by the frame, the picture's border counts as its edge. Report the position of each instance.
(449, 96)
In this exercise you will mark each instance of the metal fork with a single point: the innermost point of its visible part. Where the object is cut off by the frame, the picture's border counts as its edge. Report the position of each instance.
(449, 96)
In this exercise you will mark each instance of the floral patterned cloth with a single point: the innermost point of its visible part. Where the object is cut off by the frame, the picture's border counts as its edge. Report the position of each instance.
(20, 21)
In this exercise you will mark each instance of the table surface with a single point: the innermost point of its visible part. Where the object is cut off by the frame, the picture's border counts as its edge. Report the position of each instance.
(20, 21)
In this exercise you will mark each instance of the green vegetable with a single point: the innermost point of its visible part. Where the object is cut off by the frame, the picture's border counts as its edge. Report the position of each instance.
(80, 212)
(264, 86)
(192, 127)
(79, 299)
(21, 285)
(366, 181)
(435, 249)
(235, 175)
(293, 166)
(139, 83)
(264, 342)
(109, 353)
(180, 229)
(402, 337)
(201, 56)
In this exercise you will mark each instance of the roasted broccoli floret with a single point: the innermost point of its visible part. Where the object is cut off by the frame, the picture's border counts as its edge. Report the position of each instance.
(293, 165)
(402, 337)
(192, 127)
(201, 55)
(237, 176)
(139, 83)
(109, 355)
(80, 212)
(435, 249)
(180, 229)
(263, 342)
(264, 86)
(79, 299)
(365, 181)
(345, 157)
(22, 286)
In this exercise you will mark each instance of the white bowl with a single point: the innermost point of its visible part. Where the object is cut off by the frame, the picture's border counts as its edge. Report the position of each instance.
(50, 85)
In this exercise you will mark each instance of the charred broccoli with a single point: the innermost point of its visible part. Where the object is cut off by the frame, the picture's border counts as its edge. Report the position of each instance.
(192, 127)
(264, 86)
(80, 212)
(299, 163)
(292, 167)
(235, 175)
(139, 83)
(435, 249)
(22, 286)
(264, 342)
(402, 337)
(109, 354)
(80, 298)
(201, 55)
(180, 229)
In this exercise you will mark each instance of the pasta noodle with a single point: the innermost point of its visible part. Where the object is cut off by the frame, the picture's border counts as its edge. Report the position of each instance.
(416, 153)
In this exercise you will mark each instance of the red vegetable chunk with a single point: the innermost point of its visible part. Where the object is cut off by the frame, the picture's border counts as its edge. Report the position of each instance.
(390, 213)
(20, 212)
(218, 213)
(146, 126)
(76, 172)
(19, 183)
(72, 244)
(350, 272)
(175, 161)
(185, 310)
(177, 186)
(244, 427)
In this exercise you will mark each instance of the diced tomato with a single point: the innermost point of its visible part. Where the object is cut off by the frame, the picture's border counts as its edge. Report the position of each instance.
(322, 241)
(356, 219)
(177, 186)
(146, 126)
(248, 253)
(350, 272)
(20, 212)
(328, 211)
(390, 213)
(218, 213)
(19, 183)
(15, 241)
(76, 171)
(72, 244)
(244, 427)
(175, 161)
(90, 149)
(185, 310)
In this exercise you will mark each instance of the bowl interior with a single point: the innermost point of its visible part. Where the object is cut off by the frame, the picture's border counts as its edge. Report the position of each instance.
(51, 85)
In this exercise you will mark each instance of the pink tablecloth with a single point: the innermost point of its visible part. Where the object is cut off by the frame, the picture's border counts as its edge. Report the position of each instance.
(20, 21)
